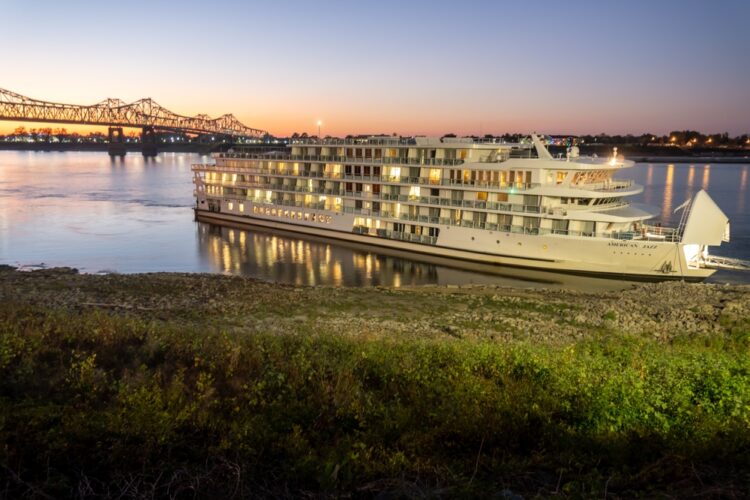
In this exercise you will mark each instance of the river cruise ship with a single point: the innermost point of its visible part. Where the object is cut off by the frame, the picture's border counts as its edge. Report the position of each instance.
(477, 201)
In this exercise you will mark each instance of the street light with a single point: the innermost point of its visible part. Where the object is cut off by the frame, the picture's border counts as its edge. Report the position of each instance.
(319, 124)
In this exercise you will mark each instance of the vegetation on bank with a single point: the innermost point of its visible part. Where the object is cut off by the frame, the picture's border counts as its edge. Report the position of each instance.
(217, 386)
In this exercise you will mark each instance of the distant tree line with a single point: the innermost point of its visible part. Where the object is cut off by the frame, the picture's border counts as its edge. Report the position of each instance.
(682, 138)
(678, 138)
(62, 135)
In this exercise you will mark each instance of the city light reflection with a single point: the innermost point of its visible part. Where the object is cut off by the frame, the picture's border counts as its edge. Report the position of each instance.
(743, 188)
(666, 212)
(706, 177)
(648, 195)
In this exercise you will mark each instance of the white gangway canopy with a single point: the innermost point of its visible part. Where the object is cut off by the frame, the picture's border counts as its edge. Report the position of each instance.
(706, 224)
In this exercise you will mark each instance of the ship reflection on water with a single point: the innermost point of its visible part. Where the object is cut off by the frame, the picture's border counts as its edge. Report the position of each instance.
(300, 260)
(296, 261)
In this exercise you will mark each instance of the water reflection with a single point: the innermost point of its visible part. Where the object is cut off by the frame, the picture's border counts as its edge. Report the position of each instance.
(296, 260)
(666, 211)
(291, 260)
(649, 182)
(743, 188)
(706, 177)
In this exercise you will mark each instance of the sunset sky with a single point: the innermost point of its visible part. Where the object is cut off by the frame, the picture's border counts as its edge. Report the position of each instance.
(409, 67)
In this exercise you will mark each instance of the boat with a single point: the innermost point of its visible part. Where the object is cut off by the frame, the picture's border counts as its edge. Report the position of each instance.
(476, 201)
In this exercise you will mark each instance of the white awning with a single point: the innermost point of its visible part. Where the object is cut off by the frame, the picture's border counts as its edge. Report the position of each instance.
(632, 213)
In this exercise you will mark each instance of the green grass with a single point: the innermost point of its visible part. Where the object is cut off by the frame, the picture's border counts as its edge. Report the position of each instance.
(93, 401)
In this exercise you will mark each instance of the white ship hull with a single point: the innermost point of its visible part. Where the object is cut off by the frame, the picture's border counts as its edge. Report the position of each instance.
(641, 260)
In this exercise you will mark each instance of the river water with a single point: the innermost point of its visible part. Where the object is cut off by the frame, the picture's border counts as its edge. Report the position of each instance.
(131, 215)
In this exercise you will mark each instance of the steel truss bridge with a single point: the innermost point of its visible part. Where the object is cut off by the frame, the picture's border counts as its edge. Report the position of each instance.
(116, 114)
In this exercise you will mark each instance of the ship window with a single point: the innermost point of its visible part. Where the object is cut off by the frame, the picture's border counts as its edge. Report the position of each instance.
(482, 196)
(230, 205)
(560, 225)
(435, 174)
(531, 222)
(561, 177)
(242, 207)
(531, 200)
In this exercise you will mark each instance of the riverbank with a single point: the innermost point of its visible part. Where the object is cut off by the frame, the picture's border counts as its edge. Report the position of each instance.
(134, 147)
(691, 159)
(638, 154)
(666, 154)
(226, 386)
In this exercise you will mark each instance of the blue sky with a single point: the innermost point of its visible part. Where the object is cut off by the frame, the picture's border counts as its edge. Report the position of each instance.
(411, 67)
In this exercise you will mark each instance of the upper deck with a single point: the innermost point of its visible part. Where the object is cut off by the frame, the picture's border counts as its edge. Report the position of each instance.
(431, 151)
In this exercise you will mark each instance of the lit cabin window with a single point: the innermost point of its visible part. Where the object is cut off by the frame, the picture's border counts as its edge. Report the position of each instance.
(435, 174)
(242, 207)
(561, 177)
(230, 206)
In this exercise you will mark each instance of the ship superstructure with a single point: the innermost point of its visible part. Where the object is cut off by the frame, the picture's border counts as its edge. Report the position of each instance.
(510, 204)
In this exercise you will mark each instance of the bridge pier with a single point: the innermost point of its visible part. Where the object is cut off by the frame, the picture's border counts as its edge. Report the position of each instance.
(116, 142)
(148, 142)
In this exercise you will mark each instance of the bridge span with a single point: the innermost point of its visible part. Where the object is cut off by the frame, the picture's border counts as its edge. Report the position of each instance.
(145, 114)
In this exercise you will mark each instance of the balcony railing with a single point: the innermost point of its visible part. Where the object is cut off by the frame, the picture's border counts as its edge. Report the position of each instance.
(396, 235)
(342, 159)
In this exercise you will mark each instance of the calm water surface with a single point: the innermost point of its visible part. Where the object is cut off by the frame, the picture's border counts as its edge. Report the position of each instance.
(135, 215)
